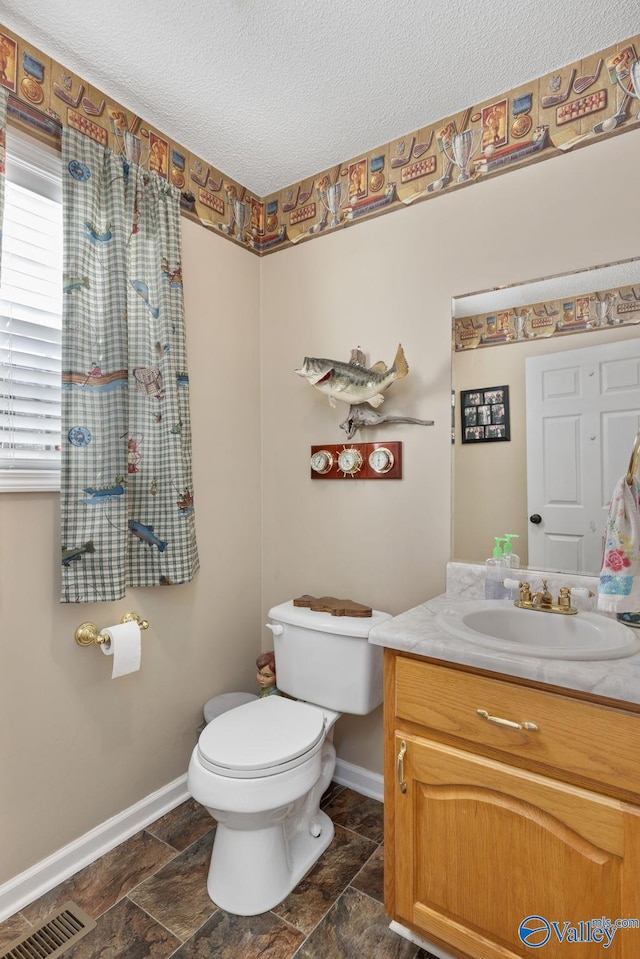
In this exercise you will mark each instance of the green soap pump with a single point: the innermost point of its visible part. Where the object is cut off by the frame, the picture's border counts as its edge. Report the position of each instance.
(496, 570)
(511, 559)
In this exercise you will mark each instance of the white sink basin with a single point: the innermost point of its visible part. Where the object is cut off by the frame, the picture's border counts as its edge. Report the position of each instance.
(500, 625)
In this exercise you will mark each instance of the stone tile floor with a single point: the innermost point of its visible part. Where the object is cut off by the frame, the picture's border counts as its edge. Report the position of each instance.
(150, 900)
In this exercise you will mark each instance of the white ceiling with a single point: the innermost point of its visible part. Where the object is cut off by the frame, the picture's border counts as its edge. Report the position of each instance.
(273, 92)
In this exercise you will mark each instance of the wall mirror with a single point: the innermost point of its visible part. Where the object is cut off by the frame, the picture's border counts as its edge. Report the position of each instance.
(550, 485)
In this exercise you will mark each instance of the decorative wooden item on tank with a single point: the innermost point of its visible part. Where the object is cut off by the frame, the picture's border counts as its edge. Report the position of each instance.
(357, 461)
(329, 604)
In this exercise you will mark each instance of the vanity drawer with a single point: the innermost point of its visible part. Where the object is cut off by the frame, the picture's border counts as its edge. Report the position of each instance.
(593, 742)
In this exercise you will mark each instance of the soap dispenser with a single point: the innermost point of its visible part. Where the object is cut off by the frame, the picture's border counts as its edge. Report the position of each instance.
(511, 559)
(496, 570)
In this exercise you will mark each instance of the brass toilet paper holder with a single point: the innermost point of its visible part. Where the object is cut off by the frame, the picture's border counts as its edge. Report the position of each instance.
(88, 634)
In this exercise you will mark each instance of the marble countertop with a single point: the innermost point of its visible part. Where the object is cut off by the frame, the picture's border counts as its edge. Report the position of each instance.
(416, 631)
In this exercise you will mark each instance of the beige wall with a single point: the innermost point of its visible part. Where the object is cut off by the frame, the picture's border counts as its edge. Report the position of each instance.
(76, 747)
(387, 281)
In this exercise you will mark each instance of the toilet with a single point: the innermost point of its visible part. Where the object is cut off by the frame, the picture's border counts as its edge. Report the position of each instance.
(261, 768)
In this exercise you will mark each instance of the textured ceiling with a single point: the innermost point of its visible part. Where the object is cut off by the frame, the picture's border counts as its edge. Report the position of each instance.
(273, 92)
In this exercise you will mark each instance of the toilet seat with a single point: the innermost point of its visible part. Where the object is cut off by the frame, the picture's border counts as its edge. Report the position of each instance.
(262, 738)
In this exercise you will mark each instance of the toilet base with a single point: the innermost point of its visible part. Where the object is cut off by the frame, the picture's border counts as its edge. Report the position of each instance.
(277, 863)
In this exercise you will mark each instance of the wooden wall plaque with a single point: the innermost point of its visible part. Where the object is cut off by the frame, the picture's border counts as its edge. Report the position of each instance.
(380, 461)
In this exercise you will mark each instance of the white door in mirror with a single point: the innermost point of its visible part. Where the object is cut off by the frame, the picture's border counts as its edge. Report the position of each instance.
(582, 418)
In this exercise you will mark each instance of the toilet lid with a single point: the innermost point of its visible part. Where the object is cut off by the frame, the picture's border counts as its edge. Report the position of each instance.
(261, 735)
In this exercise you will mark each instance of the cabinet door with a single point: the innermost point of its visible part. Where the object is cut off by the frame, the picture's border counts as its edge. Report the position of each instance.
(481, 845)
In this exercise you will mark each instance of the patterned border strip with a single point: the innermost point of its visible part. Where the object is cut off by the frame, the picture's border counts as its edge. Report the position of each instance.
(571, 107)
(587, 312)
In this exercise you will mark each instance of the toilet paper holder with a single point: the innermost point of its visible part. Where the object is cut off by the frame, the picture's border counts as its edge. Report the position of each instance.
(88, 634)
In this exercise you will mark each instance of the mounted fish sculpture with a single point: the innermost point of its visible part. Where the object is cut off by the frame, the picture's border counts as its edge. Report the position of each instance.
(353, 383)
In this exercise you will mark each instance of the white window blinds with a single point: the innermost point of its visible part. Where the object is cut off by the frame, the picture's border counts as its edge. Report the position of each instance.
(30, 318)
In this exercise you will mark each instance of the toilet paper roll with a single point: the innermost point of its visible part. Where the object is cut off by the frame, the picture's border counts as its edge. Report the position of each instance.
(124, 645)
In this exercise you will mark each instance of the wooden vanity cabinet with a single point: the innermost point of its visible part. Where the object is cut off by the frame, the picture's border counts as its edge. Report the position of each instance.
(487, 824)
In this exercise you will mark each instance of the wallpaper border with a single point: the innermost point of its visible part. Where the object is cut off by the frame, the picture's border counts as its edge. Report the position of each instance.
(582, 103)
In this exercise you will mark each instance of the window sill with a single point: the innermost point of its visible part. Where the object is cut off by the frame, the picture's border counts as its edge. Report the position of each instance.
(29, 481)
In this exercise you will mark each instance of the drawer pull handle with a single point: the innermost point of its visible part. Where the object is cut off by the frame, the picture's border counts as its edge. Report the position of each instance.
(506, 722)
(401, 754)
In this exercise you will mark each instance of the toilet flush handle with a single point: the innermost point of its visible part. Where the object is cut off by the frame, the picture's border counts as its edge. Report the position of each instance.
(276, 628)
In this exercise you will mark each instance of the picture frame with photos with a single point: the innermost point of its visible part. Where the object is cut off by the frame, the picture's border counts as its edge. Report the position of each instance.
(484, 415)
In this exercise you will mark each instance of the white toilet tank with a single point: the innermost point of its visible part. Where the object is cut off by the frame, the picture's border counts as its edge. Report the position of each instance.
(327, 660)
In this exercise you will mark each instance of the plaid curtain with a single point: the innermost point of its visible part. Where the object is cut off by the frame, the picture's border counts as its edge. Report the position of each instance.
(126, 490)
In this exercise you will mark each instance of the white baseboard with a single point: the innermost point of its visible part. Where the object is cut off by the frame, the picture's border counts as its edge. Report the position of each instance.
(362, 780)
(48, 873)
(419, 941)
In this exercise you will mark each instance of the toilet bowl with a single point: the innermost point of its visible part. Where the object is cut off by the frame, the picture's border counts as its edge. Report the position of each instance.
(261, 768)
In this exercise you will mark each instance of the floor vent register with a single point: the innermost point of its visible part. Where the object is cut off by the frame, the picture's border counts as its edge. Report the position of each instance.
(53, 936)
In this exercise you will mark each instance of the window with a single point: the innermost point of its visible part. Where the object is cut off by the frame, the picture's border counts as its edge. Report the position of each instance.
(30, 318)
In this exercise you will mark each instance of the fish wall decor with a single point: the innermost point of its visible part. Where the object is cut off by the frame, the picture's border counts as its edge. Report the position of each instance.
(353, 383)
